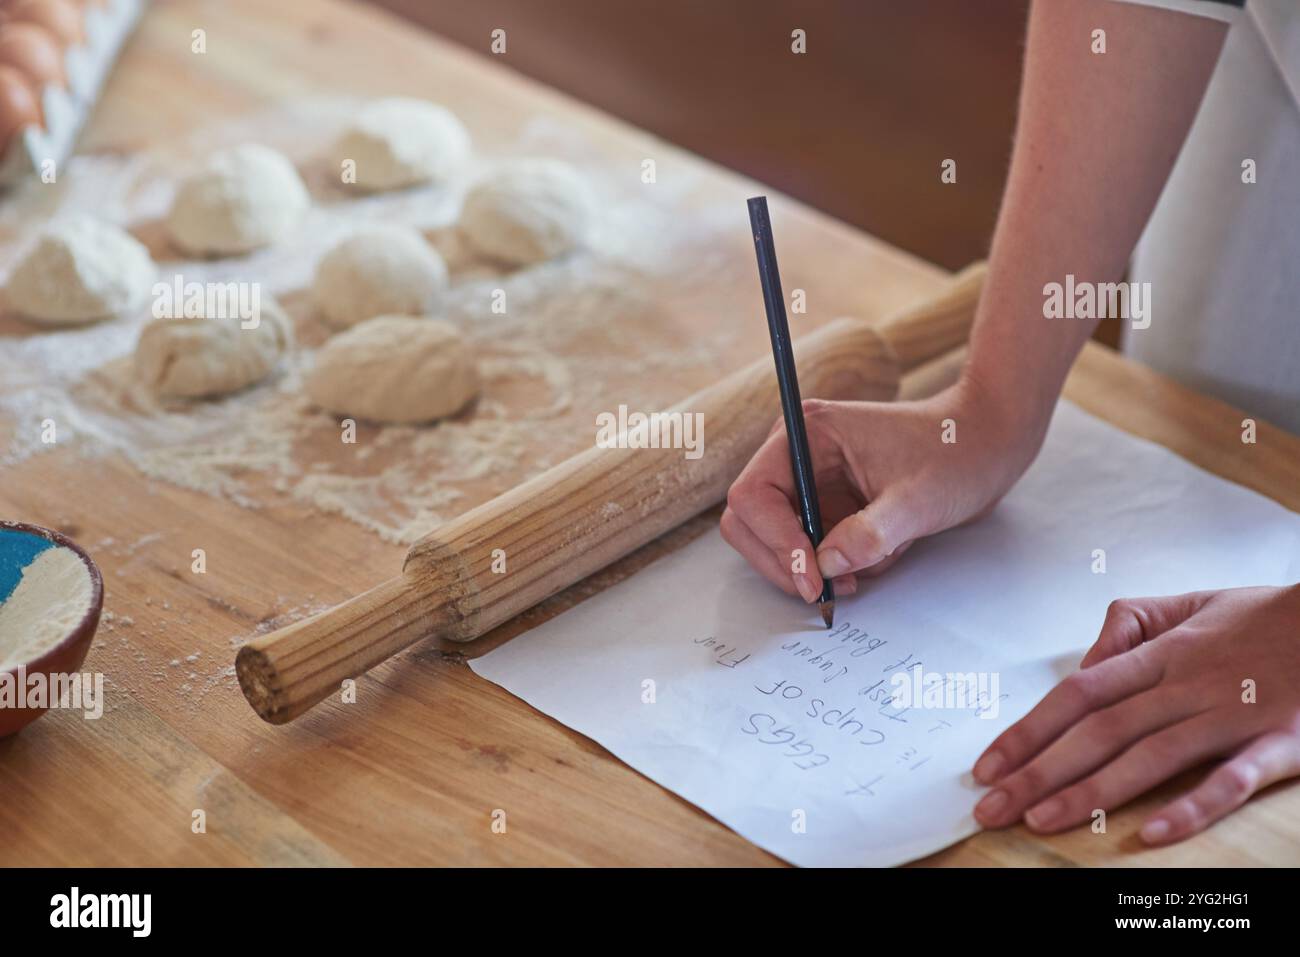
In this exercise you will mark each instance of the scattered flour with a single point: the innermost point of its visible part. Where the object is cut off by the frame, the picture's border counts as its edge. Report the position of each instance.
(575, 332)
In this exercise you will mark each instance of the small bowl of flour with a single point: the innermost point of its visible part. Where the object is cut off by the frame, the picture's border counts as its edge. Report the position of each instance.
(51, 594)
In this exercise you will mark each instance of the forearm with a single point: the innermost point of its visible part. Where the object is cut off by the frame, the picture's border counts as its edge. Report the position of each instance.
(1096, 138)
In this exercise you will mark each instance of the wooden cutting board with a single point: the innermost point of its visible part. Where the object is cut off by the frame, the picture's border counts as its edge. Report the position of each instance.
(414, 770)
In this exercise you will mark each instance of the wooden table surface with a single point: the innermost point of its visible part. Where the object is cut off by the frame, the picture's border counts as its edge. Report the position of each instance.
(413, 771)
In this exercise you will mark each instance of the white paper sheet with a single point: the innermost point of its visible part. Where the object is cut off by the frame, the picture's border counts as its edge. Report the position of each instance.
(706, 679)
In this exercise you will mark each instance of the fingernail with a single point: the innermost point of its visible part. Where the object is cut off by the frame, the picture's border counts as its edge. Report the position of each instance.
(993, 802)
(832, 563)
(989, 768)
(1155, 831)
(846, 584)
(1043, 815)
(806, 588)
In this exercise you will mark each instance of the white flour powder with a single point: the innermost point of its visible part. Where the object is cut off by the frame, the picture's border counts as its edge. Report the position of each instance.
(577, 335)
(50, 600)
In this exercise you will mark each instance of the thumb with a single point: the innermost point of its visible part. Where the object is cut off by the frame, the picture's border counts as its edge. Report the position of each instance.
(1132, 621)
(870, 535)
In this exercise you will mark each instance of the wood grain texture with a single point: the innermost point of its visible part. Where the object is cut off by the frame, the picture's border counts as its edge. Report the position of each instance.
(930, 329)
(411, 773)
(501, 558)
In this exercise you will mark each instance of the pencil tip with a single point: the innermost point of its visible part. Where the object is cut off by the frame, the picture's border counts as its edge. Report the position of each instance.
(828, 612)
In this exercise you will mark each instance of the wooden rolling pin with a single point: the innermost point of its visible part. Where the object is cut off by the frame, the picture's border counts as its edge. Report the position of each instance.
(584, 513)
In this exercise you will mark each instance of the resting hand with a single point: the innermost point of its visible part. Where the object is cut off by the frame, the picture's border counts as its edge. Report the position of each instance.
(1163, 689)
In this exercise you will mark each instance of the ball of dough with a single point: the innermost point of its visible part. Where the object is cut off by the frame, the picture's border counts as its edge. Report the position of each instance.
(195, 358)
(400, 142)
(379, 270)
(242, 198)
(78, 270)
(395, 369)
(528, 211)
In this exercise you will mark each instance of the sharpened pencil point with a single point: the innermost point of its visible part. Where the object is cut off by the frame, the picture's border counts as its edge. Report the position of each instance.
(828, 612)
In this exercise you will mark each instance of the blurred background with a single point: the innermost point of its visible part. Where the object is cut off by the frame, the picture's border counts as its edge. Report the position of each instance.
(857, 126)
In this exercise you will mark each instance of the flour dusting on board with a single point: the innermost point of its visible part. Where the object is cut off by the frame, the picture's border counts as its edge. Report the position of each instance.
(575, 332)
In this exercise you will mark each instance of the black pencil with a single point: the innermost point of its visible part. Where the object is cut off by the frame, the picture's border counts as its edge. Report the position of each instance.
(791, 404)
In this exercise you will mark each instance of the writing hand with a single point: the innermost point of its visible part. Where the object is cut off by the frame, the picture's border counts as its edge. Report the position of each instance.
(885, 477)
